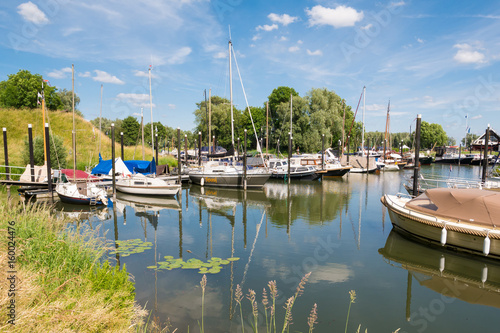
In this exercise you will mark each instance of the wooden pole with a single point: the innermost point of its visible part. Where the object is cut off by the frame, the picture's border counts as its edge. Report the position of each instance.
(113, 164)
(142, 129)
(74, 126)
(186, 149)
(199, 148)
(289, 154)
(100, 118)
(245, 161)
(485, 159)
(43, 116)
(179, 164)
(47, 156)
(322, 152)
(459, 153)
(6, 154)
(32, 156)
(209, 118)
(367, 155)
(156, 147)
(267, 129)
(238, 150)
(121, 143)
(416, 167)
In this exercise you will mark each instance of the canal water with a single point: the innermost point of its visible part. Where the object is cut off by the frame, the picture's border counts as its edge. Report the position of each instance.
(337, 229)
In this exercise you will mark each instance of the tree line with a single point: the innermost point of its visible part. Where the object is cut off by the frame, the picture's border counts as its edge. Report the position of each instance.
(321, 112)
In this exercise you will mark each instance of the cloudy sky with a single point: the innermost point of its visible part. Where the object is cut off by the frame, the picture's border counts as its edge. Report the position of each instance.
(435, 58)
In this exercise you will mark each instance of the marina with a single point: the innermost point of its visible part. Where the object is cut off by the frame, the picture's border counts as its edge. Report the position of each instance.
(335, 228)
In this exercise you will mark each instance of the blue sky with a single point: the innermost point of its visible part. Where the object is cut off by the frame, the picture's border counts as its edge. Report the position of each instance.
(435, 58)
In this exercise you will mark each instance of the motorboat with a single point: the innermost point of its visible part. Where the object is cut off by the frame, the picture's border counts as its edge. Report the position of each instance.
(279, 169)
(463, 219)
(435, 181)
(144, 185)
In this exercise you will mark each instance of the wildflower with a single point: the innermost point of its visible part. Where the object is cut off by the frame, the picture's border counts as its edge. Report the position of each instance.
(203, 282)
(312, 317)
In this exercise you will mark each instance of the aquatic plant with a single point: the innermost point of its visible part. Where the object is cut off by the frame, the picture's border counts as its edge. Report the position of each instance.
(352, 295)
(212, 266)
(131, 246)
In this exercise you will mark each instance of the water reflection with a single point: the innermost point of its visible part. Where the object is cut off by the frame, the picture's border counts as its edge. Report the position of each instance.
(453, 275)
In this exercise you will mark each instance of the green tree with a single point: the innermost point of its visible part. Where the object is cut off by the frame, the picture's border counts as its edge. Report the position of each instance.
(58, 153)
(21, 91)
(131, 130)
(432, 134)
(161, 132)
(276, 98)
(469, 139)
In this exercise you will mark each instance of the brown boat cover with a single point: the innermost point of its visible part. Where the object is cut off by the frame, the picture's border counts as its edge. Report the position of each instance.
(481, 207)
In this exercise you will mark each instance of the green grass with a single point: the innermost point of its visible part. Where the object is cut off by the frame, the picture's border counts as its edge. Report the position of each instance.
(63, 281)
(61, 124)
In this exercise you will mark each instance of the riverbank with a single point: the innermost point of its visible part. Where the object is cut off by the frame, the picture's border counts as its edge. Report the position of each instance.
(56, 280)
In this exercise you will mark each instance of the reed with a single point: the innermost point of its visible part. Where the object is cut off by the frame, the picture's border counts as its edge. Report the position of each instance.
(352, 295)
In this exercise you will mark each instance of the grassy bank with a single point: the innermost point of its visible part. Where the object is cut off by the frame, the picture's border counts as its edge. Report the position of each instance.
(61, 124)
(61, 281)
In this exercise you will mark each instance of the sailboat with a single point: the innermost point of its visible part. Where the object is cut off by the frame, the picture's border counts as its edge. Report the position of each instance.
(392, 164)
(80, 191)
(226, 174)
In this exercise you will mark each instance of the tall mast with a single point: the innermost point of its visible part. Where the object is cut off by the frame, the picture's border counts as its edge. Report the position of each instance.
(74, 130)
(291, 113)
(363, 125)
(267, 128)
(43, 124)
(209, 139)
(151, 105)
(231, 92)
(100, 118)
(142, 130)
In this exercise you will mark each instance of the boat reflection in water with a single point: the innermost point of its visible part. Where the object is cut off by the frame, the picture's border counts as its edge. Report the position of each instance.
(454, 275)
(81, 213)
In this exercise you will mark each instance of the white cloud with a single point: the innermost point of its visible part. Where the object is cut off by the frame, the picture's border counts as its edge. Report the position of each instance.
(180, 56)
(284, 19)
(300, 42)
(283, 39)
(293, 49)
(421, 41)
(86, 74)
(144, 73)
(339, 17)
(70, 31)
(59, 73)
(138, 100)
(366, 27)
(31, 13)
(172, 106)
(315, 53)
(376, 107)
(267, 27)
(256, 37)
(397, 4)
(220, 55)
(467, 55)
(477, 117)
(104, 77)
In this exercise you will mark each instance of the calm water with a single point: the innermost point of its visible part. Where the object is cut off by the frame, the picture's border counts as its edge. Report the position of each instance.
(336, 228)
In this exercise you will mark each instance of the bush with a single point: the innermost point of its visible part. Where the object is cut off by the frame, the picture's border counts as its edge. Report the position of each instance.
(58, 153)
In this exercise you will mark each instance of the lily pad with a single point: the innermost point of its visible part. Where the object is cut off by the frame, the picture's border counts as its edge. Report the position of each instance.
(212, 266)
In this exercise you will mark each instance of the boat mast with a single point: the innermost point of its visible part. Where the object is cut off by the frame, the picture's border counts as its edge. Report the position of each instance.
(231, 92)
(100, 117)
(74, 131)
(363, 123)
(43, 125)
(151, 105)
(142, 130)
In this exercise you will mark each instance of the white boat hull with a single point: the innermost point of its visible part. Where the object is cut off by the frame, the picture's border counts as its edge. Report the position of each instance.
(458, 235)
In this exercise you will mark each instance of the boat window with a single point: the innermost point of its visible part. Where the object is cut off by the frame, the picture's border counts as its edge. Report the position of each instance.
(138, 183)
(285, 163)
(149, 183)
(271, 164)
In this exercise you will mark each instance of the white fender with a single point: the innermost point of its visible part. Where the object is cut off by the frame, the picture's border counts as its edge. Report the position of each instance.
(484, 275)
(444, 235)
(202, 181)
(442, 262)
(486, 245)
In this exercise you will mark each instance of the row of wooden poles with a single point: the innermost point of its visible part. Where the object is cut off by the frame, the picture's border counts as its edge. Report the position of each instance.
(179, 168)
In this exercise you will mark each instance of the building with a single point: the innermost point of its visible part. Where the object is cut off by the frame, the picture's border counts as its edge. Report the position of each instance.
(493, 143)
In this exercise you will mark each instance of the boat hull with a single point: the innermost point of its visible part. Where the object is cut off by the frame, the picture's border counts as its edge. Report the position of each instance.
(228, 180)
(78, 201)
(334, 172)
(462, 160)
(169, 190)
(431, 229)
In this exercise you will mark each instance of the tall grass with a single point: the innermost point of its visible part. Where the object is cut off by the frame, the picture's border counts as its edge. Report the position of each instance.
(63, 284)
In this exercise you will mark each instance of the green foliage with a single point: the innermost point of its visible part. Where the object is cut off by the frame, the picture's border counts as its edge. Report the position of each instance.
(106, 127)
(159, 129)
(431, 134)
(66, 97)
(212, 266)
(58, 152)
(21, 91)
(131, 130)
(469, 139)
(131, 246)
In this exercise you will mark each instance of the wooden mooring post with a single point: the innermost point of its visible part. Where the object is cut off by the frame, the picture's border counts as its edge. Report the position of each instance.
(32, 156)
(245, 161)
(113, 164)
(6, 154)
(47, 154)
(485, 159)
(416, 167)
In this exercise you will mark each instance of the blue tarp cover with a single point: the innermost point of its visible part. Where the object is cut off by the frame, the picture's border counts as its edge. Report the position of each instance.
(144, 167)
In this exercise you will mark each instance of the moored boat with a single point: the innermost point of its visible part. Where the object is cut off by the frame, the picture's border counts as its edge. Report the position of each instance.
(222, 175)
(465, 219)
(81, 193)
(140, 184)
